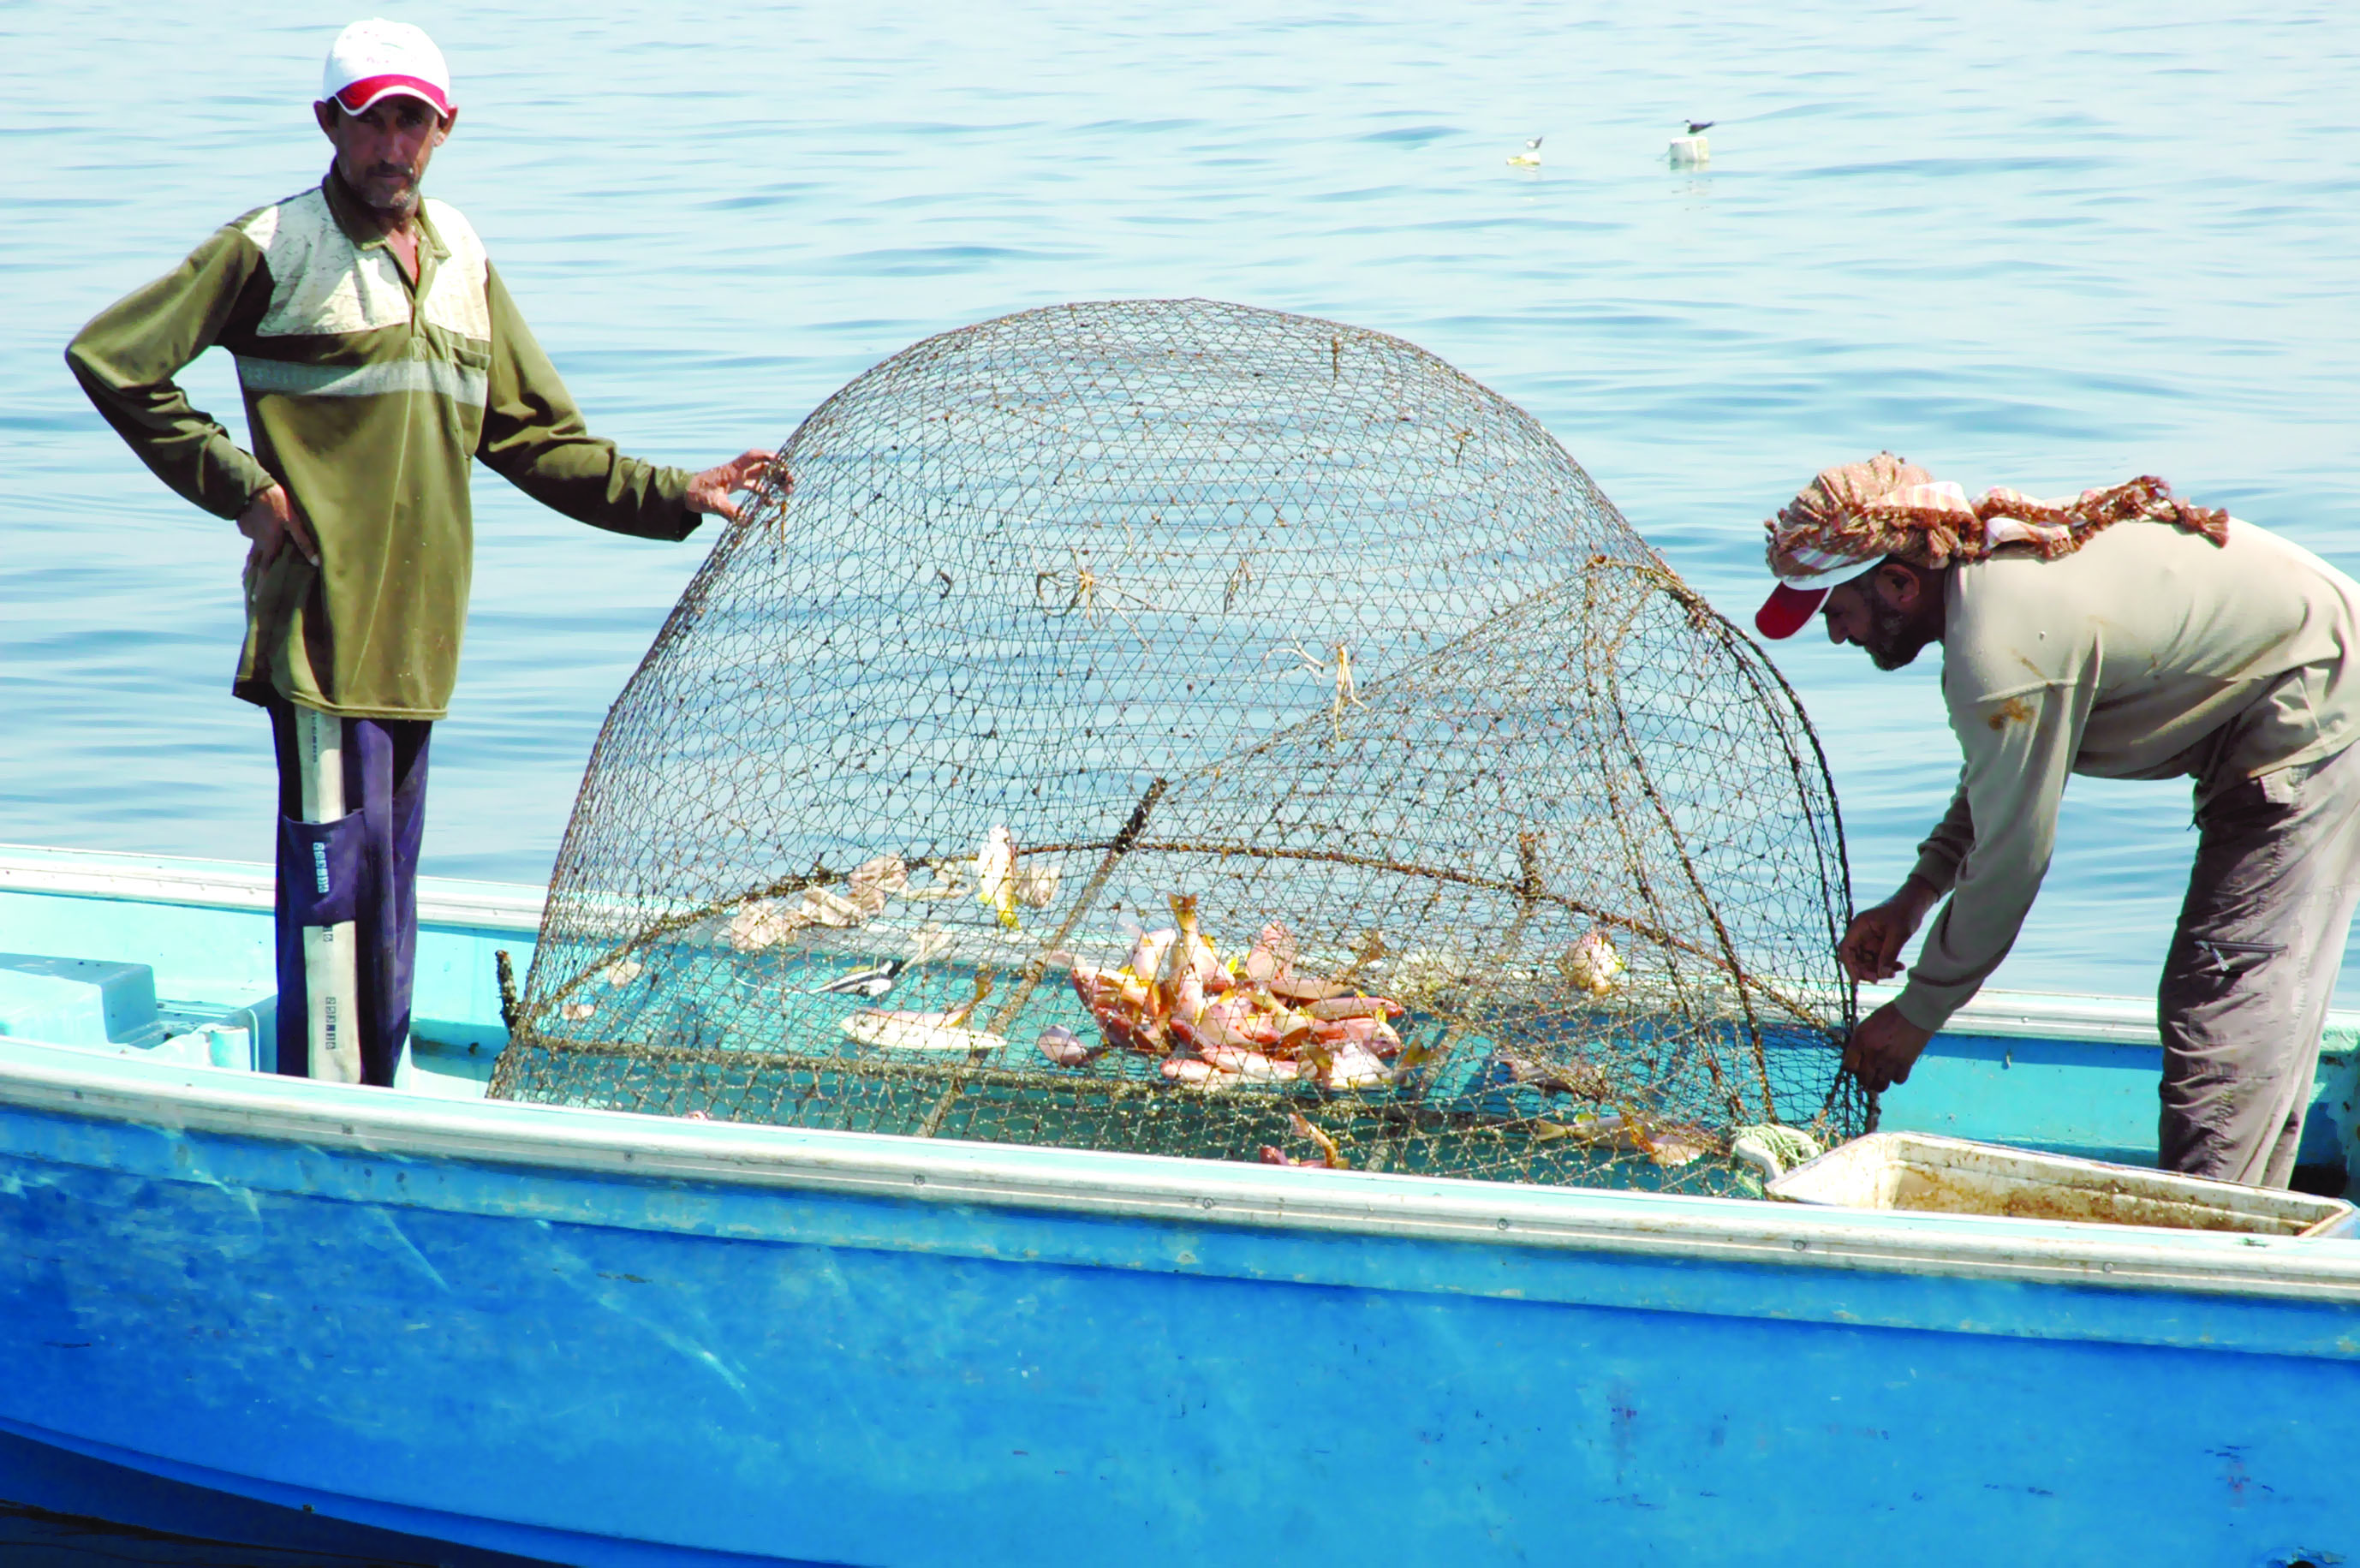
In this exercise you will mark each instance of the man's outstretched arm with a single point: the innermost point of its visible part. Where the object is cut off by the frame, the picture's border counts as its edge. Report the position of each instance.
(2020, 748)
(1870, 950)
(535, 438)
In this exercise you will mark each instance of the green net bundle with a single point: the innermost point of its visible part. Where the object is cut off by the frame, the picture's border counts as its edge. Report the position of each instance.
(1184, 729)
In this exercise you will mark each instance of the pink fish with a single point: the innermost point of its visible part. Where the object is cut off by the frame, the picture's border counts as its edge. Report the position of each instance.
(1272, 1027)
(1330, 1156)
(1374, 1034)
(1147, 953)
(1188, 998)
(1209, 1034)
(1229, 1011)
(1272, 956)
(1194, 1073)
(1356, 1007)
(1253, 1067)
(1062, 1047)
(1352, 1065)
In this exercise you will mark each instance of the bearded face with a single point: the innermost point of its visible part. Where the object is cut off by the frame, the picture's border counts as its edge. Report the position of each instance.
(1892, 612)
(1895, 637)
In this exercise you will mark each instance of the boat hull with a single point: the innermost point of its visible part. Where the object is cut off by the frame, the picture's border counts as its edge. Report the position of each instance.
(611, 1339)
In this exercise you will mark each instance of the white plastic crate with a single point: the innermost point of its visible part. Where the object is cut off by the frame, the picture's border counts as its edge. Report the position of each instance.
(1928, 1174)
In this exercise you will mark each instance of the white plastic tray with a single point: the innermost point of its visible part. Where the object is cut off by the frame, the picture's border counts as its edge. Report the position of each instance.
(1928, 1174)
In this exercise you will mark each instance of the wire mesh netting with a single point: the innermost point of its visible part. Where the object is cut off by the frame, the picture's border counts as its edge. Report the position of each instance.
(1174, 726)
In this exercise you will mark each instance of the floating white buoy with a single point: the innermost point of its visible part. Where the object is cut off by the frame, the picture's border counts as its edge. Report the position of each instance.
(1687, 151)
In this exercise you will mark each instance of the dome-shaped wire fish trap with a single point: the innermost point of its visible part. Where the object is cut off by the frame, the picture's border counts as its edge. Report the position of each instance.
(1174, 726)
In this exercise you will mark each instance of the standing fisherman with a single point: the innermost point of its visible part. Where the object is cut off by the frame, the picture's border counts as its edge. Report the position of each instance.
(2124, 634)
(379, 352)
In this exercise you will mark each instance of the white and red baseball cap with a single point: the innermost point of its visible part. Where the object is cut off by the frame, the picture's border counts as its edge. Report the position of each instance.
(1789, 609)
(377, 58)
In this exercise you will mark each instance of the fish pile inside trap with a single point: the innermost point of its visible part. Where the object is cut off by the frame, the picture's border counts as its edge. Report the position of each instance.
(1173, 728)
(1215, 1024)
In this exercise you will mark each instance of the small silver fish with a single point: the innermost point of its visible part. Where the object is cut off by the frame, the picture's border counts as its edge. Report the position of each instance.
(872, 983)
(1062, 1047)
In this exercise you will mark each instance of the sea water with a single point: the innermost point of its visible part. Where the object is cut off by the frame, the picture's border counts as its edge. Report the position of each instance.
(2019, 243)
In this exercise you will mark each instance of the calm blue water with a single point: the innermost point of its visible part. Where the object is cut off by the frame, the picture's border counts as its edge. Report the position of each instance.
(2020, 243)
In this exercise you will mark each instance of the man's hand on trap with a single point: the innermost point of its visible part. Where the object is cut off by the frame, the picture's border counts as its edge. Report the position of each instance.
(711, 490)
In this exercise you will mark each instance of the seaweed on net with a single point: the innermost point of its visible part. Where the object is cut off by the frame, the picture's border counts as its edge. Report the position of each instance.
(1174, 726)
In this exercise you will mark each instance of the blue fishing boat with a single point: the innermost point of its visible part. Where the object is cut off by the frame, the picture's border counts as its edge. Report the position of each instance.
(252, 1306)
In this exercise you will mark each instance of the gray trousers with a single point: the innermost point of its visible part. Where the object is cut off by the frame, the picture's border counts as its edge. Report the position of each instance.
(2246, 983)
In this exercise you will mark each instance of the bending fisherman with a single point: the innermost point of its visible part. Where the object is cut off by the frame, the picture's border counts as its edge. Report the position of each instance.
(2122, 634)
(378, 353)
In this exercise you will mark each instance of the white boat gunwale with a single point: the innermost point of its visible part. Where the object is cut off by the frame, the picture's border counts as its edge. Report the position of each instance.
(242, 885)
(606, 1144)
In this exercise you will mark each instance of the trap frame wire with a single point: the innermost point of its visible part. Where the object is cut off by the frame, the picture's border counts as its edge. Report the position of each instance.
(1200, 730)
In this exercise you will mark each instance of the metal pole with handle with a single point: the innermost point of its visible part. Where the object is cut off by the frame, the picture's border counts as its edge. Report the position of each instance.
(330, 952)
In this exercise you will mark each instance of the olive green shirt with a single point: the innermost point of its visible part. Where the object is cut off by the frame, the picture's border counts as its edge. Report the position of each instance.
(367, 391)
(2150, 652)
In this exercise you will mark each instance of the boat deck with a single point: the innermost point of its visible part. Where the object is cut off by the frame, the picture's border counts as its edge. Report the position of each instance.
(600, 1337)
(2065, 1074)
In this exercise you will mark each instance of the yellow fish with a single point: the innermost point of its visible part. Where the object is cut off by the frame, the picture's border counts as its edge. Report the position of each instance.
(995, 875)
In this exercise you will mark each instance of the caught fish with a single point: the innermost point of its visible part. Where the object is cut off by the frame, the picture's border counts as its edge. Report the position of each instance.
(1037, 886)
(1580, 1079)
(886, 874)
(920, 1031)
(1194, 953)
(1346, 1066)
(1373, 1035)
(1329, 1154)
(1194, 1072)
(1333, 1007)
(1666, 1146)
(759, 925)
(872, 983)
(1272, 956)
(1253, 1066)
(1164, 997)
(1147, 952)
(1062, 1047)
(821, 906)
(1207, 1034)
(995, 875)
(1302, 991)
(1591, 964)
(1252, 1019)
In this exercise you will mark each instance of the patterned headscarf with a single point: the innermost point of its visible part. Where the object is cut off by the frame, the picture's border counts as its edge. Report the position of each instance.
(1850, 516)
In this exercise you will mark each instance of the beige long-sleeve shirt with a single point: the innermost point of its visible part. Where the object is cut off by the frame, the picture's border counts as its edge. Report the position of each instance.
(2149, 653)
(368, 392)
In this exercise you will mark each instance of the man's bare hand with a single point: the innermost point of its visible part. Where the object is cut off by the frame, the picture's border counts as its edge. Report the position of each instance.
(710, 491)
(1883, 1050)
(1870, 950)
(272, 521)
